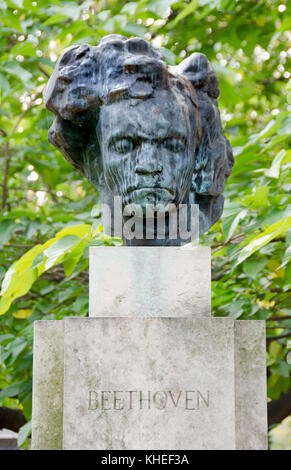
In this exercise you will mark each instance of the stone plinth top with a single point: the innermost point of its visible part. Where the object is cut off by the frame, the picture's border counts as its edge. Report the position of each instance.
(150, 281)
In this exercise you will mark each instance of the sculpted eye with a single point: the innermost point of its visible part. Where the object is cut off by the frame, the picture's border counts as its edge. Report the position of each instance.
(174, 144)
(122, 145)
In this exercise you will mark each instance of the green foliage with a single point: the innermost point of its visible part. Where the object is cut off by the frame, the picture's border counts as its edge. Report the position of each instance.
(24, 432)
(47, 223)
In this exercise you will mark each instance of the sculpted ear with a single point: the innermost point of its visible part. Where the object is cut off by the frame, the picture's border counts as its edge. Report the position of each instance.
(214, 158)
(200, 73)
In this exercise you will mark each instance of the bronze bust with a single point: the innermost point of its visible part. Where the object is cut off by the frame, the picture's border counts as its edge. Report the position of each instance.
(139, 129)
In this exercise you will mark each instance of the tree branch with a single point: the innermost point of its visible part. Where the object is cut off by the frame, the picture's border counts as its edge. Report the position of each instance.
(7, 154)
(49, 191)
(287, 317)
(233, 240)
(24, 113)
(16, 245)
(3, 132)
(281, 327)
(42, 70)
(7, 157)
(275, 338)
(218, 276)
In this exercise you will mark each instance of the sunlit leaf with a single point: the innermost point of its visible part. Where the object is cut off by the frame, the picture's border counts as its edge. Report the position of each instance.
(23, 433)
(22, 313)
(265, 237)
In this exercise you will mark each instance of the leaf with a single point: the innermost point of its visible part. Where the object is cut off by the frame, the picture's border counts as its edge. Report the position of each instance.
(260, 198)
(25, 49)
(275, 348)
(20, 286)
(2, 273)
(265, 237)
(169, 55)
(4, 338)
(7, 228)
(160, 7)
(286, 257)
(129, 7)
(58, 249)
(236, 309)
(4, 84)
(21, 275)
(16, 70)
(193, 5)
(253, 268)
(26, 261)
(15, 348)
(71, 259)
(55, 19)
(274, 171)
(282, 368)
(23, 433)
(26, 403)
(240, 216)
(105, 14)
(275, 269)
(17, 3)
(131, 28)
(79, 230)
(22, 313)
(12, 22)
(19, 266)
(10, 391)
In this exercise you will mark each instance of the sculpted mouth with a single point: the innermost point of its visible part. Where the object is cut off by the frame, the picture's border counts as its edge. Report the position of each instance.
(150, 188)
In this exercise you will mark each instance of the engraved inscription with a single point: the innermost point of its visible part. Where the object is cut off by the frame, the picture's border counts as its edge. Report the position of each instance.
(106, 400)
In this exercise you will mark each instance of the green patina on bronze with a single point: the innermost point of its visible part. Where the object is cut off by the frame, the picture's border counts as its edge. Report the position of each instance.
(140, 129)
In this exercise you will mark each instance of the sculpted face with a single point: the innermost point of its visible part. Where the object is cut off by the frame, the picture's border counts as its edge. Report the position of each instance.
(148, 149)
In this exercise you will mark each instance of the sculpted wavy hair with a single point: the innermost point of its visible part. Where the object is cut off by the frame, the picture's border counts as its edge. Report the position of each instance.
(89, 77)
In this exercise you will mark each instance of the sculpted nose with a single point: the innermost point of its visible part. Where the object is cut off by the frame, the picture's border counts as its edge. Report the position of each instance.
(149, 169)
(147, 162)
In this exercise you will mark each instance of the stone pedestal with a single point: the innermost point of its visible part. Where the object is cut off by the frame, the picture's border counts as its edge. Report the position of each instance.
(150, 282)
(135, 377)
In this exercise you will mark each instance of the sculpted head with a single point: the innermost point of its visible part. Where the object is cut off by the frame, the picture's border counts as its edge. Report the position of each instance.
(139, 129)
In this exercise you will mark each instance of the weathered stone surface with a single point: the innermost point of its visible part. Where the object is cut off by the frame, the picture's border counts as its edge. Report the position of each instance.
(250, 385)
(141, 130)
(219, 356)
(149, 282)
(8, 440)
(48, 373)
(149, 355)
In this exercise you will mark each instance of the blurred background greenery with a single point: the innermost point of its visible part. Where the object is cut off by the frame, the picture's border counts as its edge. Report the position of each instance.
(50, 214)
